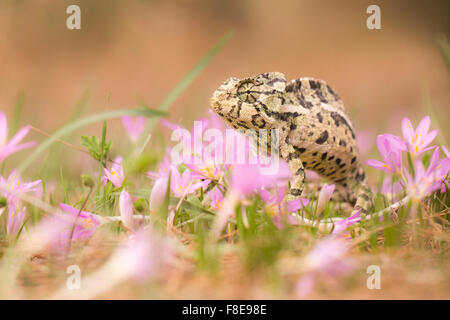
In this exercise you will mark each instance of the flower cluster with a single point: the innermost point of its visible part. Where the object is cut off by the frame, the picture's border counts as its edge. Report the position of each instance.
(418, 181)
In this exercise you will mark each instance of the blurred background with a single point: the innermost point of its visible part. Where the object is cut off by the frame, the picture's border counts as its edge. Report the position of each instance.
(136, 51)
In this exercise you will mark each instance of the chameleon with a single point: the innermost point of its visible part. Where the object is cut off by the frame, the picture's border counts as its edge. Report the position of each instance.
(313, 128)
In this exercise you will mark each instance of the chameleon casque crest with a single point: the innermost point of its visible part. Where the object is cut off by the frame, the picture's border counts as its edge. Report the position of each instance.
(314, 131)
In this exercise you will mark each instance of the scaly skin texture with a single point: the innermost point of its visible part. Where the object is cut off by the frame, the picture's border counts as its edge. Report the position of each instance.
(313, 129)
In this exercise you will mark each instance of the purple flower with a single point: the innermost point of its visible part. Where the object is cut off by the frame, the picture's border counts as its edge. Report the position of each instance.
(390, 148)
(418, 140)
(116, 174)
(134, 126)
(216, 197)
(12, 146)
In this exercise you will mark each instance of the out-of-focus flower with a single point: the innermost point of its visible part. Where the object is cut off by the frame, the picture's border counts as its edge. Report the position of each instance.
(158, 193)
(342, 225)
(277, 208)
(389, 188)
(447, 153)
(324, 196)
(427, 181)
(205, 170)
(365, 141)
(126, 210)
(418, 140)
(182, 183)
(390, 148)
(326, 258)
(216, 197)
(14, 219)
(12, 146)
(83, 225)
(134, 126)
(15, 185)
(116, 174)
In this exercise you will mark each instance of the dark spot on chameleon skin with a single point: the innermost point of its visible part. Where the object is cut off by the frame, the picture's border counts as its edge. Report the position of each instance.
(338, 119)
(300, 150)
(314, 84)
(353, 170)
(345, 185)
(295, 192)
(342, 143)
(308, 105)
(338, 160)
(299, 171)
(258, 121)
(319, 117)
(310, 134)
(305, 164)
(332, 172)
(243, 124)
(324, 156)
(331, 158)
(351, 149)
(323, 137)
(353, 160)
(341, 180)
(321, 170)
(314, 154)
(334, 139)
(316, 165)
(293, 126)
(292, 155)
(332, 92)
(342, 165)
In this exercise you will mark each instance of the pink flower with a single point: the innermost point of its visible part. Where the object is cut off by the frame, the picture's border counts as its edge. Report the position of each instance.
(181, 183)
(425, 182)
(216, 197)
(83, 227)
(418, 140)
(391, 188)
(342, 225)
(8, 148)
(324, 196)
(158, 194)
(126, 210)
(275, 206)
(390, 148)
(15, 185)
(15, 219)
(116, 174)
(134, 126)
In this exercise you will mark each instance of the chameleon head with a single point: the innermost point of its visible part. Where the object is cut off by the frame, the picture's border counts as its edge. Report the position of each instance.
(250, 103)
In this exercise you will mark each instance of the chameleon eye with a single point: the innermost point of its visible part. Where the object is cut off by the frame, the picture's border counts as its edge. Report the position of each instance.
(248, 92)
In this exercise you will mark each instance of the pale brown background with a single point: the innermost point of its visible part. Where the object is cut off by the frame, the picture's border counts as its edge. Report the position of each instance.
(138, 50)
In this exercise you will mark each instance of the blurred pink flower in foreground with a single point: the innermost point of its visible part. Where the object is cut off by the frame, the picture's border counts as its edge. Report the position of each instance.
(83, 225)
(342, 225)
(116, 174)
(418, 140)
(216, 197)
(134, 126)
(390, 148)
(327, 258)
(12, 146)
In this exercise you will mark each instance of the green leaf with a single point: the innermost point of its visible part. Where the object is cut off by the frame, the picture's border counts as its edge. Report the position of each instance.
(84, 122)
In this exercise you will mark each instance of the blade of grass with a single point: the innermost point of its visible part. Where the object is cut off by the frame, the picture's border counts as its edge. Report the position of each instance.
(84, 122)
(20, 101)
(180, 87)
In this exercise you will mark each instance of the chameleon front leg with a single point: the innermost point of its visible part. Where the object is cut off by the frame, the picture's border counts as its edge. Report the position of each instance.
(294, 162)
